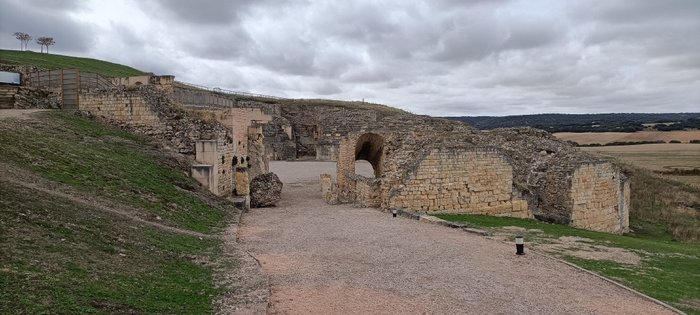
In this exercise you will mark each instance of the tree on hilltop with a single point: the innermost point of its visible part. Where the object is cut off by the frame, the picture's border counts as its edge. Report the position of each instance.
(23, 38)
(45, 41)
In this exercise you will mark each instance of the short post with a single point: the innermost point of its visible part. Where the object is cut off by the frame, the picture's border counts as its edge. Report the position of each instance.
(393, 213)
(519, 245)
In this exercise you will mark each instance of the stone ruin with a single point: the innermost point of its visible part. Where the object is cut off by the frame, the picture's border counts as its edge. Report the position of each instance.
(420, 163)
(431, 165)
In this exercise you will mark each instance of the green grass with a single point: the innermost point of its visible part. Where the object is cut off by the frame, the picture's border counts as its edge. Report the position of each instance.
(669, 270)
(53, 61)
(65, 258)
(76, 151)
(62, 257)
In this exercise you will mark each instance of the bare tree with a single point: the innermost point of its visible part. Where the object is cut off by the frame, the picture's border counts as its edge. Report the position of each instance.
(41, 43)
(23, 38)
(18, 36)
(45, 41)
(27, 39)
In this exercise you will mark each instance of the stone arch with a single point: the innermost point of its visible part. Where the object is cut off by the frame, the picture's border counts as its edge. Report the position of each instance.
(370, 147)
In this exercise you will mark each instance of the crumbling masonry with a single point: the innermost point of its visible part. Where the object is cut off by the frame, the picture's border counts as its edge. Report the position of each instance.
(420, 163)
(424, 164)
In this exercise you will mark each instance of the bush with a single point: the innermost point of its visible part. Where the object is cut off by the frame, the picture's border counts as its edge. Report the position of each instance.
(674, 141)
(695, 141)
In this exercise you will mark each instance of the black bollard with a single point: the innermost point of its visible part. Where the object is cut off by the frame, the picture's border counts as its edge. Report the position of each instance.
(393, 213)
(519, 245)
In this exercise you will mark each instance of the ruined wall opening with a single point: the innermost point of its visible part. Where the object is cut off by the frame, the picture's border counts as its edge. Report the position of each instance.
(369, 150)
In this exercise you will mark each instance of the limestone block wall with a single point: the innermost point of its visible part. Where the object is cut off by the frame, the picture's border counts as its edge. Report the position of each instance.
(327, 151)
(237, 120)
(454, 180)
(600, 198)
(259, 162)
(345, 169)
(132, 81)
(119, 105)
(225, 170)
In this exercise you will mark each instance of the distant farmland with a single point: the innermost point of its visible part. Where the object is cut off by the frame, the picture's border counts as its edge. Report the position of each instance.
(683, 136)
(658, 157)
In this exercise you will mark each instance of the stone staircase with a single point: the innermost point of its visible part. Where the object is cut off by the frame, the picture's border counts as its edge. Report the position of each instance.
(7, 96)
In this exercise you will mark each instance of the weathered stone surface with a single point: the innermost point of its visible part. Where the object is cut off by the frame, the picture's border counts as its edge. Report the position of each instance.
(265, 190)
(242, 182)
(258, 163)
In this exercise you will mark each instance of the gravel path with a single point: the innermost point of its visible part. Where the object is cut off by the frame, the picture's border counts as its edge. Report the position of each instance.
(325, 259)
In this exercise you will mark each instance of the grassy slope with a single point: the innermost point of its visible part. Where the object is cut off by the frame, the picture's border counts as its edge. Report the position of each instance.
(668, 271)
(52, 61)
(59, 256)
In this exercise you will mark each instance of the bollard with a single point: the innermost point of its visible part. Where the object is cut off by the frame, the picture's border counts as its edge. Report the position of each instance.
(393, 213)
(519, 245)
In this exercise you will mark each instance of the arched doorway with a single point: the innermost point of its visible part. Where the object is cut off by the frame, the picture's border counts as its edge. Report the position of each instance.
(370, 147)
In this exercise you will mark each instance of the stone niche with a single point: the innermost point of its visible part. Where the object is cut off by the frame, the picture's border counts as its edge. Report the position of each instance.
(213, 167)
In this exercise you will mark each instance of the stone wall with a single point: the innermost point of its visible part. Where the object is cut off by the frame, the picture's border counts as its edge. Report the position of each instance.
(521, 173)
(121, 105)
(600, 198)
(258, 162)
(214, 166)
(132, 81)
(368, 192)
(7, 96)
(149, 110)
(461, 181)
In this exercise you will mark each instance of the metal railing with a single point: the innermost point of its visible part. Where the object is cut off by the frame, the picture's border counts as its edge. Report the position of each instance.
(226, 91)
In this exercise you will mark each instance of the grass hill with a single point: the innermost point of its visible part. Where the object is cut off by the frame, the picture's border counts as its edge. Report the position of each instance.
(97, 220)
(52, 61)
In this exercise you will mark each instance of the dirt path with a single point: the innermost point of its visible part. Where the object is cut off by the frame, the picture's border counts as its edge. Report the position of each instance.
(325, 259)
(19, 113)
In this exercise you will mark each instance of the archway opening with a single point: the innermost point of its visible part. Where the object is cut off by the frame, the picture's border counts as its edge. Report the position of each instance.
(369, 150)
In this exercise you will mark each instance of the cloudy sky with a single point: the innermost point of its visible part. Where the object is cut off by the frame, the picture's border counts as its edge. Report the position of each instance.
(436, 57)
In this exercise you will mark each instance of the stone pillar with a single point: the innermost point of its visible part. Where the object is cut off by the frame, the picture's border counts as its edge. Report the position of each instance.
(242, 182)
(259, 162)
(345, 168)
(328, 190)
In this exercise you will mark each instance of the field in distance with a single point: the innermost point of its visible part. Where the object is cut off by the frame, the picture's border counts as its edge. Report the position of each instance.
(662, 157)
(683, 136)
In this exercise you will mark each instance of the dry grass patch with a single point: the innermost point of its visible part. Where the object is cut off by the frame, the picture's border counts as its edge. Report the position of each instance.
(606, 137)
(658, 158)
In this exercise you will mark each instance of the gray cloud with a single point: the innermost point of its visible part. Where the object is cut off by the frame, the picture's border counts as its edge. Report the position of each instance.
(203, 12)
(222, 44)
(42, 18)
(440, 57)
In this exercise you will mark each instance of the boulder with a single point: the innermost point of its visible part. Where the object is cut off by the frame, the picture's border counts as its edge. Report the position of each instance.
(265, 190)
